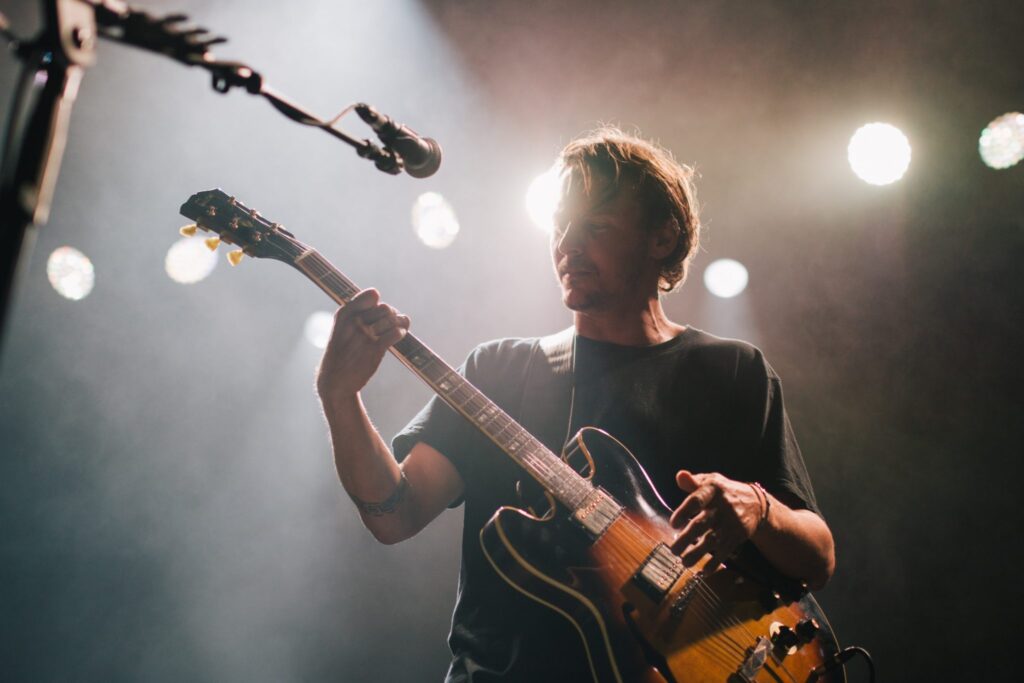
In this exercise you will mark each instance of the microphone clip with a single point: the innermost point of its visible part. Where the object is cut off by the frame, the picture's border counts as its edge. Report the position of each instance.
(417, 155)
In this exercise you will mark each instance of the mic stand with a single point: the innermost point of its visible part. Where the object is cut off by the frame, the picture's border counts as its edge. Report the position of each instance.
(53, 66)
(52, 69)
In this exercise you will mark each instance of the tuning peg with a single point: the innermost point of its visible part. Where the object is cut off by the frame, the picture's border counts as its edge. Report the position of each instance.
(188, 230)
(235, 256)
(212, 243)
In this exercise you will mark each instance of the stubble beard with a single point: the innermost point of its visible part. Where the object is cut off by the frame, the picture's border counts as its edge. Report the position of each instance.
(583, 303)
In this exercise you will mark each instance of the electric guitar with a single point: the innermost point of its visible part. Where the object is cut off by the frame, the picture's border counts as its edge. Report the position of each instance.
(641, 614)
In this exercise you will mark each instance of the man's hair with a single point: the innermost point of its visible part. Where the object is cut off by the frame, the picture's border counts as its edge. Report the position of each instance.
(663, 187)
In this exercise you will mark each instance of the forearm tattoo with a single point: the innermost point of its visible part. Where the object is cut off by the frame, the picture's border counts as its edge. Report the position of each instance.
(389, 504)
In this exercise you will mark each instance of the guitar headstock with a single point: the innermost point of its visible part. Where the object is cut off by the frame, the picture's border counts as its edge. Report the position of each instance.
(235, 223)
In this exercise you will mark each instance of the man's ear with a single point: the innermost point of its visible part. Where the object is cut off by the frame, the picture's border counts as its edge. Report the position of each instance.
(664, 239)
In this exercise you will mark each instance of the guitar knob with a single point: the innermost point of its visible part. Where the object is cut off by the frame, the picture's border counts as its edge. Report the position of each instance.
(212, 243)
(234, 257)
(807, 629)
(188, 230)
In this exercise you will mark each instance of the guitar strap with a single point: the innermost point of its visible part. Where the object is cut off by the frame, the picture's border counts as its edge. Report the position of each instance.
(547, 400)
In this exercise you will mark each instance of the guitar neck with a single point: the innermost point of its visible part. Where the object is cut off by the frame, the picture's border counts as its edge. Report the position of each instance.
(550, 471)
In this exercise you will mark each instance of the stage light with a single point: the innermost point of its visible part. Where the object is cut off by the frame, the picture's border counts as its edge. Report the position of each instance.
(542, 198)
(71, 273)
(879, 153)
(434, 221)
(1001, 144)
(725, 278)
(189, 260)
(318, 328)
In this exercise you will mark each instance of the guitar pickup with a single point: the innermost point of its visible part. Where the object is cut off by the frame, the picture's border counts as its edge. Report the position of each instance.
(658, 573)
(597, 512)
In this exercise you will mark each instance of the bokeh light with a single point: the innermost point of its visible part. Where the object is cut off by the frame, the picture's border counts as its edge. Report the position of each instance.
(434, 221)
(726, 278)
(1001, 144)
(71, 273)
(189, 260)
(879, 153)
(318, 328)
(542, 197)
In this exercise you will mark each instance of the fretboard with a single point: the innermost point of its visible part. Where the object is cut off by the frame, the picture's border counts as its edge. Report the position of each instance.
(564, 483)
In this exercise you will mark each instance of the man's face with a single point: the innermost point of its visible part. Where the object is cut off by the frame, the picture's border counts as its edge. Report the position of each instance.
(602, 252)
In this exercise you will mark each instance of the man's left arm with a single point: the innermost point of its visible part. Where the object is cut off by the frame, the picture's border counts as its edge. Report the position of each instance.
(720, 514)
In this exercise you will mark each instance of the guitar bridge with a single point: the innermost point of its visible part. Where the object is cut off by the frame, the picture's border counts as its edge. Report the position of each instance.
(755, 659)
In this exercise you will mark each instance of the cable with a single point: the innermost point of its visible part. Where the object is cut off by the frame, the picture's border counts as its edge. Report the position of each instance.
(840, 659)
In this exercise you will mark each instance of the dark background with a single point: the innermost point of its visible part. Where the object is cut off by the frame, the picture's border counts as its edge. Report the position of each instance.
(168, 504)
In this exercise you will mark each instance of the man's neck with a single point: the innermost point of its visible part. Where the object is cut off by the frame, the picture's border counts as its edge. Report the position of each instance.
(643, 326)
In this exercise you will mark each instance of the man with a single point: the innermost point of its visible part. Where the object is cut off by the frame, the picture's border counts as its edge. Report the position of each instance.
(703, 415)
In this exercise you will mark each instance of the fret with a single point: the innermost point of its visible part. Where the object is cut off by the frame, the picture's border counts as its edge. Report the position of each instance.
(463, 394)
(479, 408)
(487, 412)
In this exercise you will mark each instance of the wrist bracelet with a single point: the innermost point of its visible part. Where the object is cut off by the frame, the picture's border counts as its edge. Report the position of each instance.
(763, 495)
(387, 505)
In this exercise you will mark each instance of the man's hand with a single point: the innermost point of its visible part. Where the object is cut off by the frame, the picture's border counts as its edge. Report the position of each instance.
(363, 330)
(716, 518)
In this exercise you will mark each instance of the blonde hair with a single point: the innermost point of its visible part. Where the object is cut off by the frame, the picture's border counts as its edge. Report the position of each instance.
(663, 188)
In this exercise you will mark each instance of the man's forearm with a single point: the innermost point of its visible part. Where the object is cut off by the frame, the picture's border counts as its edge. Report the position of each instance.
(797, 542)
(368, 470)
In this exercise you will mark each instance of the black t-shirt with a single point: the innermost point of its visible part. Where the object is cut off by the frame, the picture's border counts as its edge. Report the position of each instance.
(695, 402)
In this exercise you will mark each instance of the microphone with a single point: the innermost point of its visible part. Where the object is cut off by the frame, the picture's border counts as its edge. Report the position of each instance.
(421, 157)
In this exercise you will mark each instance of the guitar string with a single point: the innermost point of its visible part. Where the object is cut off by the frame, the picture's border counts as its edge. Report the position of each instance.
(712, 602)
(709, 618)
(736, 623)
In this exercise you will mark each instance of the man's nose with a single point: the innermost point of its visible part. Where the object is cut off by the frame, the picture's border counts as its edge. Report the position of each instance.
(568, 242)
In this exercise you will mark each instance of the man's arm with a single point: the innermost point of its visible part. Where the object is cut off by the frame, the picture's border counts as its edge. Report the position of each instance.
(719, 514)
(395, 501)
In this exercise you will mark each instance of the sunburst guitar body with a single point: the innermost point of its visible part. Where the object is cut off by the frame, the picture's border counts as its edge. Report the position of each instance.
(640, 614)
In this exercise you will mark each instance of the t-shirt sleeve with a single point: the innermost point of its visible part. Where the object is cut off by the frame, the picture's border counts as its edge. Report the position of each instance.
(495, 369)
(779, 465)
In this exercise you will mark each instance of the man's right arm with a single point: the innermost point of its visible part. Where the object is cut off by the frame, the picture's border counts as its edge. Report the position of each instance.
(395, 501)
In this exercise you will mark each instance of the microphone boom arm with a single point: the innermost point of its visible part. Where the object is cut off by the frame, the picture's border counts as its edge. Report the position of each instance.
(191, 46)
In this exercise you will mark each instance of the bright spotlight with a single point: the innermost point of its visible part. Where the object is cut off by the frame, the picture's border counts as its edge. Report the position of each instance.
(318, 328)
(725, 278)
(71, 273)
(189, 260)
(879, 153)
(434, 221)
(1002, 142)
(542, 198)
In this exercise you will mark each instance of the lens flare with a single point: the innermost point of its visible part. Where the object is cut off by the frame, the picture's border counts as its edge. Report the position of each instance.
(71, 273)
(879, 153)
(726, 278)
(542, 198)
(318, 328)
(189, 260)
(1001, 144)
(434, 221)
